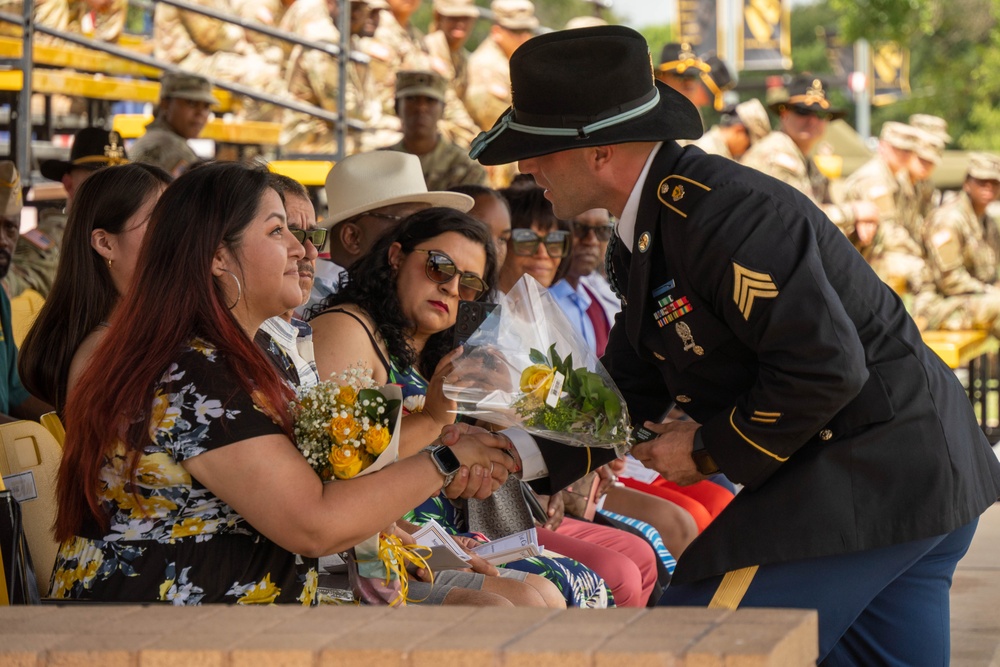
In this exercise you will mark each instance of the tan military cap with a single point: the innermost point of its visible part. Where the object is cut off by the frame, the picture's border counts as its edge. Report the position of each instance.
(514, 14)
(456, 8)
(898, 135)
(584, 22)
(413, 83)
(933, 124)
(378, 4)
(984, 166)
(754, 118)
(929, 146)
(186, 87)
(11, 201)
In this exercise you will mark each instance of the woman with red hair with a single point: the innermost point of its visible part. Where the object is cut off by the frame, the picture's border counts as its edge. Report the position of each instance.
(180, 481)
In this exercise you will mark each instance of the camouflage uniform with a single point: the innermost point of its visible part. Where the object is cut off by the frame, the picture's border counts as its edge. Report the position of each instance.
(457, 124)
(712, 143)
(488, 95)
(268, 13)
(36, 256)
(164, 148)
(214, 49)
(777, 155)
(447, 166)
(77, 17)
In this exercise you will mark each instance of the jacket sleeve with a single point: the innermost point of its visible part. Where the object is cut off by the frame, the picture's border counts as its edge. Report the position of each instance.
(760, 262)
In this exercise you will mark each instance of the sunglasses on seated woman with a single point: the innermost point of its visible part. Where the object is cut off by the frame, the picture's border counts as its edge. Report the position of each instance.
(317, 236)
(441, 269)
(525, 242)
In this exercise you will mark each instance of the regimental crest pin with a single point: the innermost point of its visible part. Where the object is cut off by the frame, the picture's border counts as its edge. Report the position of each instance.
(678, 193)
(748, 286)
(684, 331)
(644, 242)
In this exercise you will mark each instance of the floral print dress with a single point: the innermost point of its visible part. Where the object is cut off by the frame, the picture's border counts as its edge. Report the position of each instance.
(170, 539)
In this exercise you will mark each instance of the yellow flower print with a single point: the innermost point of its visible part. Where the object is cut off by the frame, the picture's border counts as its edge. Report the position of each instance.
(344, 429)
(88, 560)
(537, 379)
(164, 415)
(160, 471)
(308, 595)
(188, 527)
(165, 588)
(376, 439)
(346, 461)
(263, 593)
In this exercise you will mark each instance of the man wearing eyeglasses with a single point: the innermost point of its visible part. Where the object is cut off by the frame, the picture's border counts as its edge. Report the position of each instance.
(786, 155)
(590, 315)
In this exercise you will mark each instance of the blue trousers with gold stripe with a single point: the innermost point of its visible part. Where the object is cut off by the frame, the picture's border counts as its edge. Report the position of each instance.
(887, 606)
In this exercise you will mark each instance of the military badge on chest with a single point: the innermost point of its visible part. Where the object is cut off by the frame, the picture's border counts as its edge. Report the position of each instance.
(669, 308)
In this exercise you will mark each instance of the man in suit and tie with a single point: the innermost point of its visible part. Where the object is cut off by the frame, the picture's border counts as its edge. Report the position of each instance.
(863, 467)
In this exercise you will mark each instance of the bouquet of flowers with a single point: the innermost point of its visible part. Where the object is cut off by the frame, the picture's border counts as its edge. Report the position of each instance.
(348, 426)
(526, 366)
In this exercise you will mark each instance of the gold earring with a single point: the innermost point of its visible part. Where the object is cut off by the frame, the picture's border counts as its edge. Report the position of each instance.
(109, 263)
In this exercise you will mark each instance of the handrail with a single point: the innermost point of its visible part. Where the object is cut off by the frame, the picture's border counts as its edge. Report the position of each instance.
(301, 107)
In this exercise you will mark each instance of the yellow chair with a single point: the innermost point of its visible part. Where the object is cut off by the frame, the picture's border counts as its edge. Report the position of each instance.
(29, 462)
(54, 425)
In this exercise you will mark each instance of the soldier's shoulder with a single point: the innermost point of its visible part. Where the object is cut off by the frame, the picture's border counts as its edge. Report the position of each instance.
(680, 193)
(776, 152)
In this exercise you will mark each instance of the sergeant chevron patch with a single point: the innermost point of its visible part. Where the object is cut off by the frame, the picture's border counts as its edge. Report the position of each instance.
(749, 285)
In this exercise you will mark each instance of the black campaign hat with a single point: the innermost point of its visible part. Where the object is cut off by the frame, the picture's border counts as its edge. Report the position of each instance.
(806, 92)
(585, 87)
(93, 148)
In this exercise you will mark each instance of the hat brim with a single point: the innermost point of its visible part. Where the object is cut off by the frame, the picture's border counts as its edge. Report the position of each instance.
(455, 200)
(54, 170)
(421, 92)
(673, 118)
(208, 98)
(834, 113)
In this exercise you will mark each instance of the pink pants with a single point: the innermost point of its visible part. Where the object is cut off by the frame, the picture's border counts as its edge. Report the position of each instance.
(626, 562)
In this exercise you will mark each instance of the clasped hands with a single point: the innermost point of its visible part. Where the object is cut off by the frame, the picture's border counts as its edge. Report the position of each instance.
(487, 459)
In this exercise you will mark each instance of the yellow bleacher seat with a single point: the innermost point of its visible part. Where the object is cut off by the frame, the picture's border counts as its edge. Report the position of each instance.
(958, 348)
(23, 309)
(29, 460)
(310, 173)
(54, 425)
(78, 58)
(254, 132)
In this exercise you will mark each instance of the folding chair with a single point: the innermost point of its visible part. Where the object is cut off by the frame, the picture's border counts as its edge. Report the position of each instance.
(54, 425)
(29, 463)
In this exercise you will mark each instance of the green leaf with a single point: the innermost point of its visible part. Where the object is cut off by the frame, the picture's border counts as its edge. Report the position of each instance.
(537, 357)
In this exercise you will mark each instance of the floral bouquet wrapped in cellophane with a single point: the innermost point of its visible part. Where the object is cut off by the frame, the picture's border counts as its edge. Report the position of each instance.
(525, 366)
(347, 427)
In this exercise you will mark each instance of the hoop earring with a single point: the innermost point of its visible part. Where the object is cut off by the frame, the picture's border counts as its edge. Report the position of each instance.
(239, 289)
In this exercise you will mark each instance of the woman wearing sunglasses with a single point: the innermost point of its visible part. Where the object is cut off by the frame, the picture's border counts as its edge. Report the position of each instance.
(98, 257)
(538, 240)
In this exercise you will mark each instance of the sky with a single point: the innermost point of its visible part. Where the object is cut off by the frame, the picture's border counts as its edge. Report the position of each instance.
(642, 13)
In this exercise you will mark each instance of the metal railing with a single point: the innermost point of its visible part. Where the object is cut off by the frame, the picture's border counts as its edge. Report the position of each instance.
(23, 133)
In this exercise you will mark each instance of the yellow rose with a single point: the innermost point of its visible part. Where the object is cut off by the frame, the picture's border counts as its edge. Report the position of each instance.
(537, 379)
(344, 429)
(376, 439)
(346, 462)
(347, 395)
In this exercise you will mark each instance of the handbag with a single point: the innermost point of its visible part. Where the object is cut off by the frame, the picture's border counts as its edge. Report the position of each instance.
(18, 584)
(504, 513)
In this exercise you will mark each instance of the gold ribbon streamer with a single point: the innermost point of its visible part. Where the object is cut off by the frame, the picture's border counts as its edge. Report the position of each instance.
(395, 556)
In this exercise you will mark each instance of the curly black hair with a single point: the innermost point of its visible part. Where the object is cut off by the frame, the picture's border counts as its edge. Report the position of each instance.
(370, 283)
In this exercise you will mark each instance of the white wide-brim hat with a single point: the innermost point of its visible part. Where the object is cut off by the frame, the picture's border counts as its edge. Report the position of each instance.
(367, 181)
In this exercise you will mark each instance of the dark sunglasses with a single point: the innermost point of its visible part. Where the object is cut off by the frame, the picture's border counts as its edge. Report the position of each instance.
(316, 236)
(601, 232)
(441, 269)
(802, 111)
(525, 242)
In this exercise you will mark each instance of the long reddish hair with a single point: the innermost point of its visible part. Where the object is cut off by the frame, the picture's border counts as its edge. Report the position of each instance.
(174, 298)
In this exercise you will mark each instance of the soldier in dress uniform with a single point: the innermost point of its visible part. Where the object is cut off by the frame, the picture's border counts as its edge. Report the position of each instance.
(739, 127)
(185, 103)
(885, 181)
(420, 105)
(36, 256)
(804, 113)
(864, 469)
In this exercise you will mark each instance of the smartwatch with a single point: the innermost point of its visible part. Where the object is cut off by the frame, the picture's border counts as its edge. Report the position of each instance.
(445, 461)
(702, 459)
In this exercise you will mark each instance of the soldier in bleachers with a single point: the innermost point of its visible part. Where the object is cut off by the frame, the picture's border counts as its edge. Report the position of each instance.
(885, 181)
(215, 49)
(419, 105)
(804, 113)
(739, 127)
(928, 197)
(313, 77)
(453, 23)
(102, 20)
(962, 239)
(185, 102)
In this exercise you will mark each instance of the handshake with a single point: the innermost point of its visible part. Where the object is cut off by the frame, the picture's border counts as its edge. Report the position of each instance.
(487, 459)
